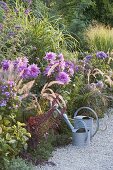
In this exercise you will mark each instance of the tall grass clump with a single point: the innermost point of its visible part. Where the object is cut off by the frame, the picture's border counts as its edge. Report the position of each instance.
(100, 37)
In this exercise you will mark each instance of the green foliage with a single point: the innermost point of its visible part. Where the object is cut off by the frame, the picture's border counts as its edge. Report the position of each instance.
(102, 12)
(47, 145)
(18, 164)
(100, 38)
(43, 151)
(78, 95)
(13, 137)
(25, 35)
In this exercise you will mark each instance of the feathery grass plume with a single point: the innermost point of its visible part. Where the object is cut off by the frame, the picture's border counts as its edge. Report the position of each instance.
(50, 95)
(100, 37)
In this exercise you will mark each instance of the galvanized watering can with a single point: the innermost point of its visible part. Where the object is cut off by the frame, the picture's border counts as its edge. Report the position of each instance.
(82, 131)
(88, 121)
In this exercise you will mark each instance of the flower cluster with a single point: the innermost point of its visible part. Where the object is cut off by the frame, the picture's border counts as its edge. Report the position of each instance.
(88, 58)
(7, 92)
(61, 69)
(101, 55)
(4, 6)
(12, 69)
(99, 85)
(21, 66)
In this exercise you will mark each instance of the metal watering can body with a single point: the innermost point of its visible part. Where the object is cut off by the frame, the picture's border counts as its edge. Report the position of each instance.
(80, 136)
(82, 131)
(87, 120)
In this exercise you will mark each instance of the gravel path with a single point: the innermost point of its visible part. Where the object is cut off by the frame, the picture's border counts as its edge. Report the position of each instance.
(97, 156)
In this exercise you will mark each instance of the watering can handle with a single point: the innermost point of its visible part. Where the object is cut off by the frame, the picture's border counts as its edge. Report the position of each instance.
(97, 120)
(86, 129)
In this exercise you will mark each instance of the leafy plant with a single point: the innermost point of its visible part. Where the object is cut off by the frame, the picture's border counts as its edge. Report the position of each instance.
(14, 87)
(18, 164)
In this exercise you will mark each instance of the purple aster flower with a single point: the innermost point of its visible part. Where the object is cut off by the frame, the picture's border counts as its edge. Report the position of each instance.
(50, 56)
(29, 2)
(1, 26)
(47, 70)
(69, 64)
(18, 27)
(3, 87)
(34, 71)
(100, 84)
(11, 34)
(61, 57)
(101, 55)
(26, 73)
(27, 11)
(5, 64)
(92, 86)
(4, 6)
(76, 68)
(88, 58)
(11, 83)
(63, 78)
(7, 94)
(71, 71)
(16, 10)
(20, 63)
(3, 103)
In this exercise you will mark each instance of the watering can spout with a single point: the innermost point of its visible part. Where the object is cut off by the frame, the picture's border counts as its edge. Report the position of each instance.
(65, 117)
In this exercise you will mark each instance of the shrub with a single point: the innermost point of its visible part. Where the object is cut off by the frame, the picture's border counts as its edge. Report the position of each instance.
(24, 34)
(15, 84)
(18, 164)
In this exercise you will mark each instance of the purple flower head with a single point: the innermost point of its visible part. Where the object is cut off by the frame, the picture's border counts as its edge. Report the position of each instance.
(18, 27)
(3, 87)
(71, 71)
(34, 71)
(3, 103)
(61, 57)
(63, 78)
(76, 68)
(92, 86)
(29, 2)
(7, 94)
(1, 26)
(69, 64)
(25, 73)
(20, 63)
(5, 64)
(4, 6)
(88, 58)
(101, 55)
(11, 34)
(27, 11)
(100, 84)
(50, 56)
(11, 83)
(47, 70)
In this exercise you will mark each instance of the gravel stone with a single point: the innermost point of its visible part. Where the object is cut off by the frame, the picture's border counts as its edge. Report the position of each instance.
(97, 156)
